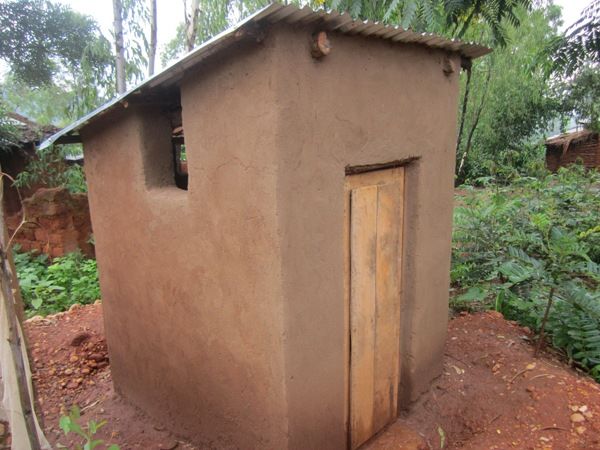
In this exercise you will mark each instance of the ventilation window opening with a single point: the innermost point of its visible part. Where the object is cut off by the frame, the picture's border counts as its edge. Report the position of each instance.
(179, 156)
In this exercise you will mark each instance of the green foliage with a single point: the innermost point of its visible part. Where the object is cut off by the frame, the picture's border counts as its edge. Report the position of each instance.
(93, 81)
(511, 101)
(581, 96)
(389, 11)
(9, 134)
(516, 247)
(136, 21)
(580, 45)
(37, 37)
(576, 326)
(71, 424)
(213, 17)
(53, 287)
(50, 169)
(46, 105)
(449, 17)
(58, 59)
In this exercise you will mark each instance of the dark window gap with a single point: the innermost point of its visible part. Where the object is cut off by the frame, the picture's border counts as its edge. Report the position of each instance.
(180, 168)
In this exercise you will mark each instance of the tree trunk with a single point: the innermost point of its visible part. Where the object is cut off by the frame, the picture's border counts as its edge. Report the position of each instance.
(467, 66)
(191, 24)
(152, 49)
(465, 26)
(119, 49)
(544, 320)
(475, 123)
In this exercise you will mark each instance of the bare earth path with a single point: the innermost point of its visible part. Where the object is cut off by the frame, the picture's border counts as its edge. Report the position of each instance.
(492, 393)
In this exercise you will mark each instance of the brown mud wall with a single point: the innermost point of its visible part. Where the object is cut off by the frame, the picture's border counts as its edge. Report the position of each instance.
(224, 305)
(57, 223)
(191, 280)
(367, 102)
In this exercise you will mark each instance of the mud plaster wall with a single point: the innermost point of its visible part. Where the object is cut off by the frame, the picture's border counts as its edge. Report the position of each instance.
(224, 305)
(367, 102)
(191, 280)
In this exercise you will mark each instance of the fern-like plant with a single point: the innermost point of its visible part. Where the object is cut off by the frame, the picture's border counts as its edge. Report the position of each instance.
(532, 251)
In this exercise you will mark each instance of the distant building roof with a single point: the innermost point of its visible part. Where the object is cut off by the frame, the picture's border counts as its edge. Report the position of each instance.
(271, 14)
(565, 140)
(30, 131)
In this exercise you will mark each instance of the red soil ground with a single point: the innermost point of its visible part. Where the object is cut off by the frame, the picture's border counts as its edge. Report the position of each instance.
(492, 393)
(71, 366)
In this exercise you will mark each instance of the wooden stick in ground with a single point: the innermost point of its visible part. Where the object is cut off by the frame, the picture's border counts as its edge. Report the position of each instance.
(6, 294)
(15, 287)
(544, 320)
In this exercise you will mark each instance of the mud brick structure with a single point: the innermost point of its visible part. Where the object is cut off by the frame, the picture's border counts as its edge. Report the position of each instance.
(289, 290)
(57, 223)
(580, 146)
(15, 159)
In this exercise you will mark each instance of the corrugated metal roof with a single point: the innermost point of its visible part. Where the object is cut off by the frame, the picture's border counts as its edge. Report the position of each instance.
(271, 14)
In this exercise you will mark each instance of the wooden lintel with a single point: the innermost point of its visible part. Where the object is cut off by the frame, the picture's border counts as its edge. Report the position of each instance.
(352, 170)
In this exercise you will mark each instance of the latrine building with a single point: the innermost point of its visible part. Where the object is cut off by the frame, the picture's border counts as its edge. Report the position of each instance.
(289, 289)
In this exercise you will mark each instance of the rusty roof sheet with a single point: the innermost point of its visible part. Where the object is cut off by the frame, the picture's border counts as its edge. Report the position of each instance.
(30, 131)
(565, 140)
(272, 14)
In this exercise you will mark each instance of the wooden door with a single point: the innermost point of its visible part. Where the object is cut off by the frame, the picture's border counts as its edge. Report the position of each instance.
(374, 228)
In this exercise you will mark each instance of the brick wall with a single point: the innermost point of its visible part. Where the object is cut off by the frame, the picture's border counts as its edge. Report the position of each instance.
(58, 222)
(588, 152)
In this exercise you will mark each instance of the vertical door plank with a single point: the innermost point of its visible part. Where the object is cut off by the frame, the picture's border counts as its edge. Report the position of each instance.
(363, 229)
(387, 316)
(375, 224)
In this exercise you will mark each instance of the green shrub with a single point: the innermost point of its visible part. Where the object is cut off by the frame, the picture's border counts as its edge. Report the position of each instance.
(50, 287)
(49, 168)
(520, 247)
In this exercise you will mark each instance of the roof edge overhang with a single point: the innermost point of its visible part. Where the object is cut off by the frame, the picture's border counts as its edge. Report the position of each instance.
(269, 15)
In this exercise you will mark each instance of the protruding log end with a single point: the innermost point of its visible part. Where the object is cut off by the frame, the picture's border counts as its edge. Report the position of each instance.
(320, 45)
(448, 66)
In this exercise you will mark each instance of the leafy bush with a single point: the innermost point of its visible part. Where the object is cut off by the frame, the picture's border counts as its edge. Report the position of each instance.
(581, 96)
(532, 248)
(50, 287)
(50, 169)
(511, 100)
